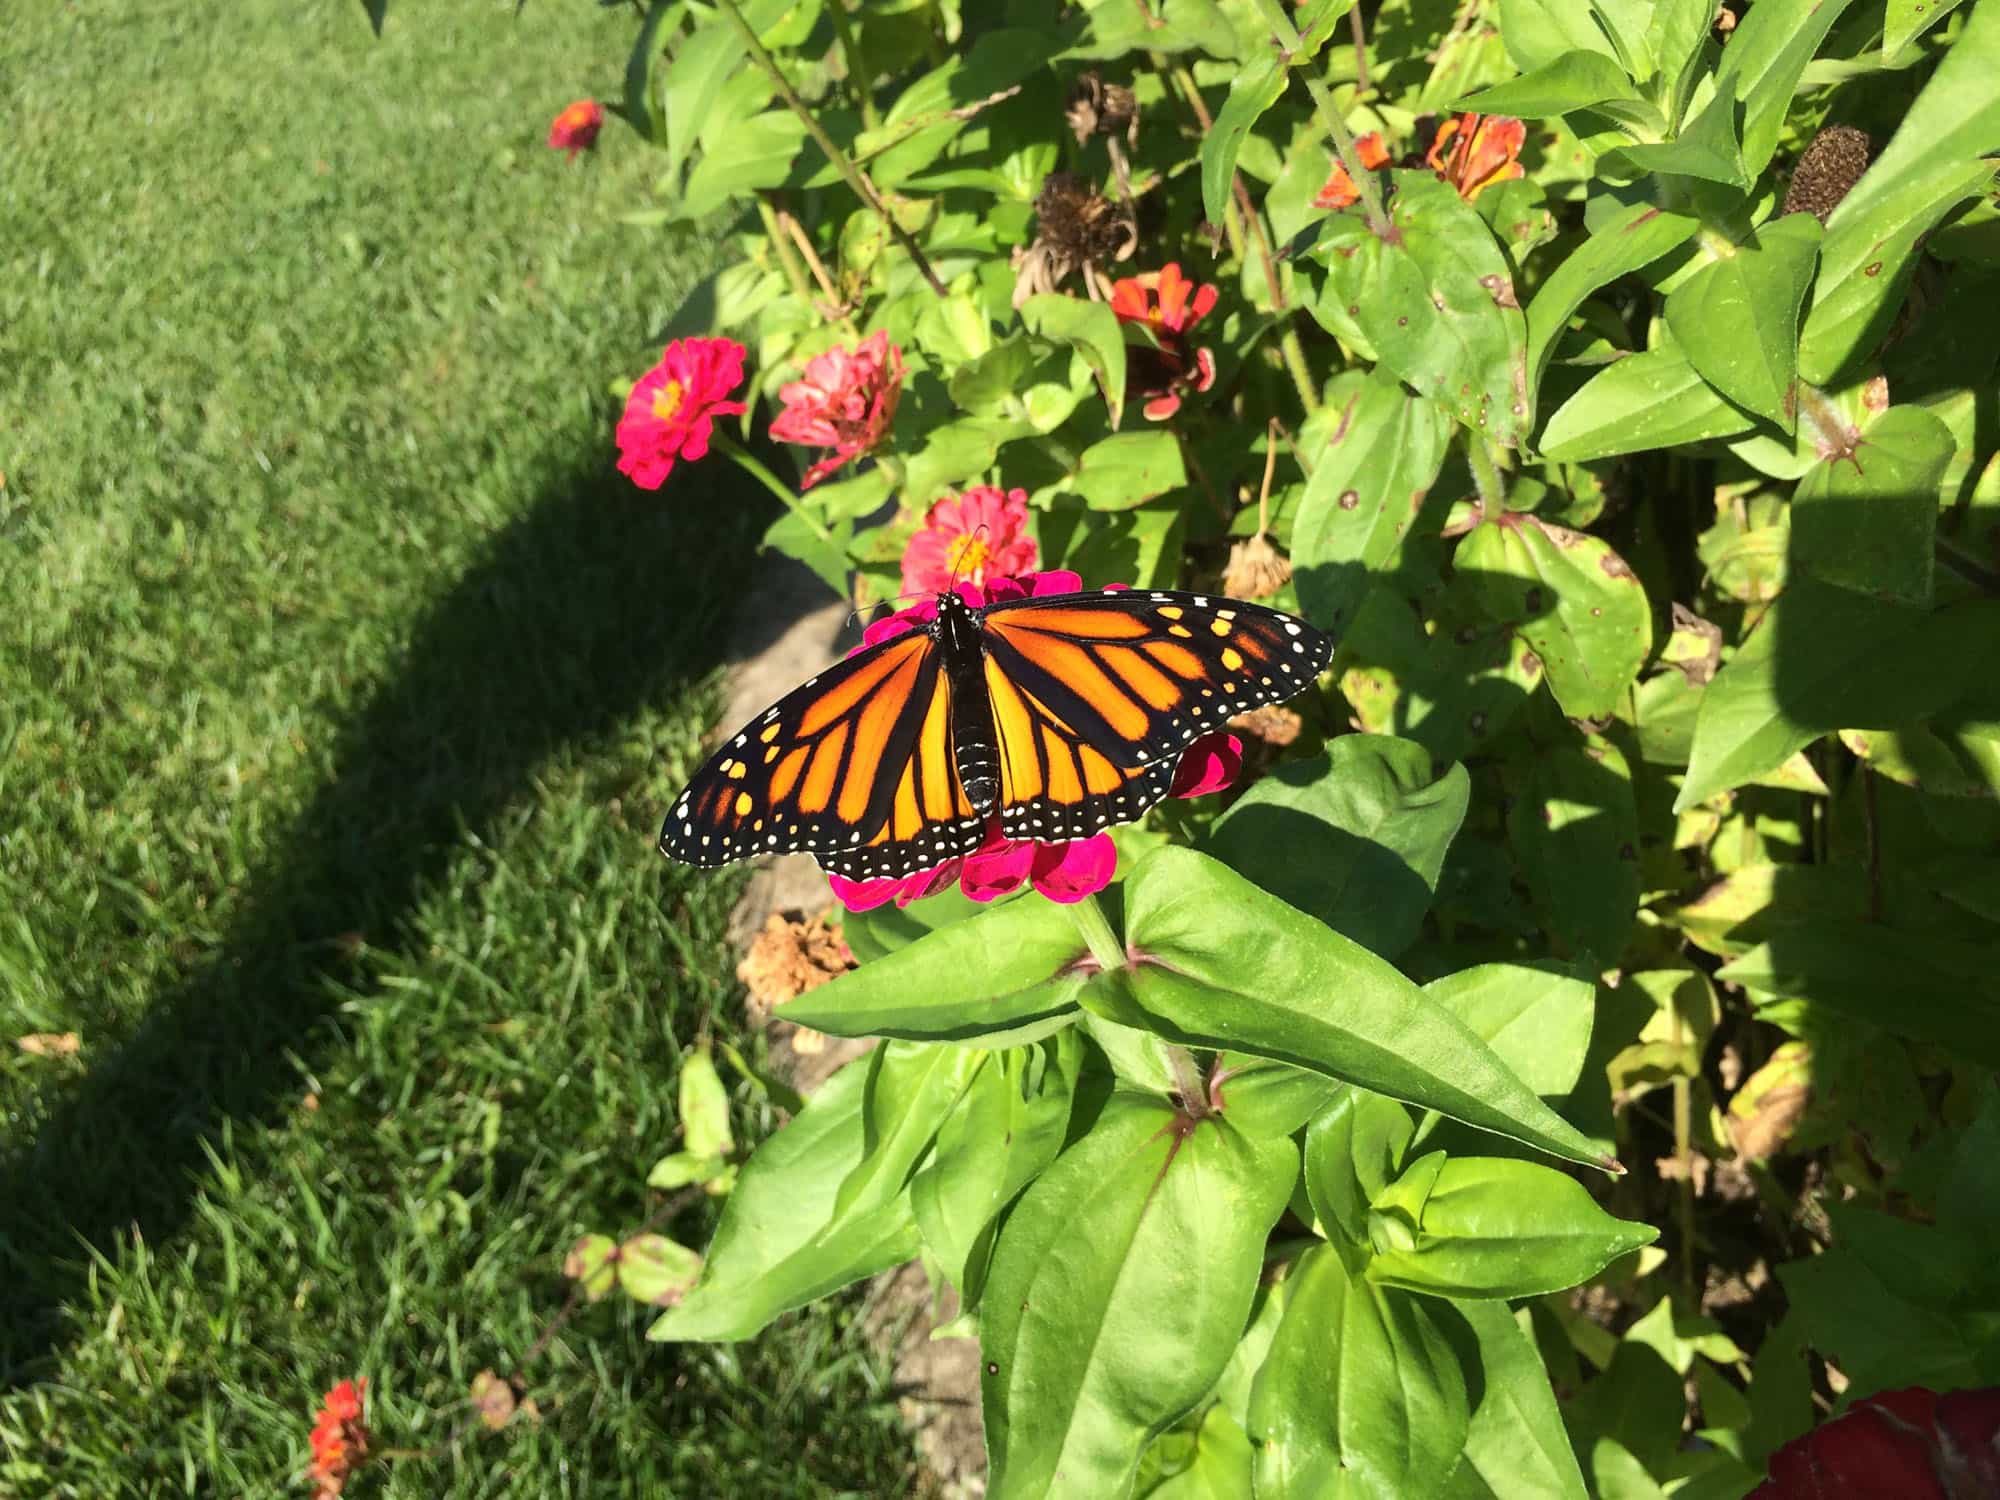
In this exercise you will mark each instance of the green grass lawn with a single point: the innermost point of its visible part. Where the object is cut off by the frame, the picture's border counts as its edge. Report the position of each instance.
(341, 685)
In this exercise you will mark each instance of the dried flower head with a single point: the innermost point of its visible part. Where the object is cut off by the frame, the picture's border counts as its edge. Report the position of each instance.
(1256, 569)
(1077, 227)
(1273, 725)
(1099, 108)
(789, 958)
(1831, 164)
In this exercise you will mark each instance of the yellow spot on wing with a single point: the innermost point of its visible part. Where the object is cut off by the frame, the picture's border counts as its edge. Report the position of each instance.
(1220, 627)
(1170, 611)
(737, 770)
(770, 732)
(1232, 658)
(1180, 630)
(743, 804)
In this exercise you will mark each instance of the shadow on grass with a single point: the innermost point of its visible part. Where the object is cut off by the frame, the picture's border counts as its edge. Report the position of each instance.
(597, 601)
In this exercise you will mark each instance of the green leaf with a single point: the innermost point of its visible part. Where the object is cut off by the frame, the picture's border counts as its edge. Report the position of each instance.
(1539, 33)
(1575, 80)
(756, 153)
(1361, 1394)
(1762, 64)
(1572, 599)
(956, 452)
(1878, 1337)
(1251, 92)
(704, 1106)
(1910, 19)
(593, 1262)
(1378, 823)
(1655, 399)
(1480, 1226)
(1367, 487)
(923, 121)
(1536, 1018)
(1436, 300)
(691, 86)
(1707, 147)
(1119, 1287)
(1867, 520)
(1116, 27)
(1129, 469)
(822, 549)
(1218, 1467)
(780, 1243)
(656, 1270)
(1227, 966)
(1266, 1098)
(912, 1090)
(1574, 827)
(1006, 967)
(1516, 1443)
(1826, 659)
(1091, 329)
(1354, 1149)
(1930, 165)
(1737, 318)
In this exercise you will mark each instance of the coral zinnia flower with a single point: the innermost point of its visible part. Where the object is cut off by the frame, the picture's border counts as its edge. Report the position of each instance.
(575, 129)
(671, 409)
(979, 535)
(1065, 870)
(1914, 1444)
(339, 1438)
(1472, 152)
(1168, 304)
(845, 402)
(1340, 190)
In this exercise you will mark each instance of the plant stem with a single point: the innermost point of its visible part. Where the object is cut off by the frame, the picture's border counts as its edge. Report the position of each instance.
(857, 70)
(1360, 50)
(1095, 929)
(1187, 1081)
(1290, 43)
(770, 481)
(1486, 475)
(1205, 122)
(788, 259)
(856, 178)
(1294, 351)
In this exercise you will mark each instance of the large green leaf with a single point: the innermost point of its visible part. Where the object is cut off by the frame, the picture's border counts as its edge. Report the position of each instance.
(1571, 598)
(1930, 165)
(1636, 236)
(1367, 487)
(1118, 1289)
(1737, 317)
(913, 1088)
(1224, 965)
(1538, 33)
(1575, 80)
(1007, 967)
(1354, 1149)
(1091, 329)
(1251, 92)
(1656, 399)
(1535, 1017)
(1516, 1447)
(1867, 519)
(1361, 1394)
(1488, 1226)
(781, 1243)
(930, 113)
(1378, 823)
(1761, 67)
(1574, 828)
(1825, 659)
(1707, 147)
(1129, 469)
(1909, 19)
(1436, 300)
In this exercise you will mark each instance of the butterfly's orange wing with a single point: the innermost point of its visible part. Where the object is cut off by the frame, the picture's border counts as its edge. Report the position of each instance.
(854, 766)
(1096, 695)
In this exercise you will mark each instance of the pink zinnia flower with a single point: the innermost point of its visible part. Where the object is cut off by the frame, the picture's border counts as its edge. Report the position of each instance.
(1168, 304)
(969, 538)
(1065, 870)
(845, 402)
(671, 409)
(1913, 1444)
(575, 129)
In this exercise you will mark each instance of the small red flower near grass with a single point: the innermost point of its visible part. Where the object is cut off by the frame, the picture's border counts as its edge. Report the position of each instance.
(1913, 1444)
(845, 402)
(672, 408)
(969, 538)
(339, 1438)
(1472, 152)
(575, 129)
(1340, 190)
(1066, 870)
(1168, 305)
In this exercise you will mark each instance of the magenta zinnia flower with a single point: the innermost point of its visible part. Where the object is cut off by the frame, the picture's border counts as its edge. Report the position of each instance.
(575, 129)
(1064, 870)
(970, 538)
(673, 406)
(1913, 1444)
(845, 402)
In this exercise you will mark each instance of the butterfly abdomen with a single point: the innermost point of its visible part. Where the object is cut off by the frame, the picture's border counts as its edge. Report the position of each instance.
(974, 755)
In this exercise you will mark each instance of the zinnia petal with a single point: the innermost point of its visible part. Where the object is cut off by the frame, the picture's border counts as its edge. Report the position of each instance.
(1067, 872)
(1208, 765)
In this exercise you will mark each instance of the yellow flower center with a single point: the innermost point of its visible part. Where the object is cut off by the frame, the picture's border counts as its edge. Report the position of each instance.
(967, 557)
(667, 400)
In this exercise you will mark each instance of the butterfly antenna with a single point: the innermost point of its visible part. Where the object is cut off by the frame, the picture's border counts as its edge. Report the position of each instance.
(976, 533)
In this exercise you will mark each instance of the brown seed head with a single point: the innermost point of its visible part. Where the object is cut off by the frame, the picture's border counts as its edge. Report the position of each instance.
(1099, 108)
(1832, 163)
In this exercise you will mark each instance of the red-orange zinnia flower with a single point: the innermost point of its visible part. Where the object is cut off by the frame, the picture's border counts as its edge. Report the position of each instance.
(1169, 304)
(970, 538)
(1472, 152)
(575, 129)
(845, 402)
(339, 1438)
(1340, 189)
(672, 408)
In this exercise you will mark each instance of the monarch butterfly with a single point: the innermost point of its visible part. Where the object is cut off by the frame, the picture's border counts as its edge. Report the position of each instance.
(1057, 714)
